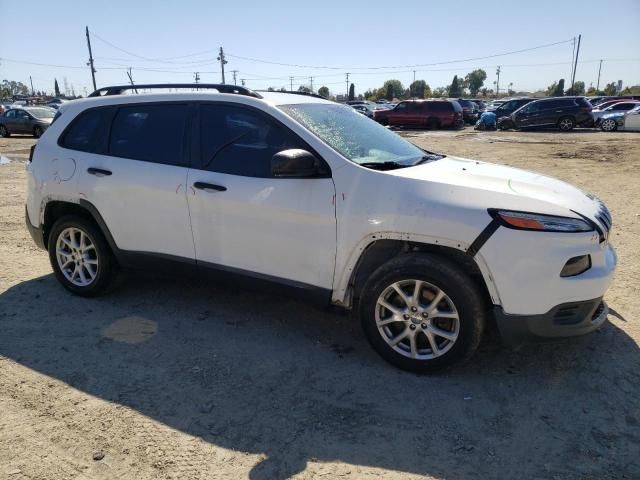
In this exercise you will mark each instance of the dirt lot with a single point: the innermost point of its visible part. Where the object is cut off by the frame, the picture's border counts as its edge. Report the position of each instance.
(188, 380)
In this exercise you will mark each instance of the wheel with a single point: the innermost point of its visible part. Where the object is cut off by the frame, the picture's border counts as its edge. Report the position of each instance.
(566, 124)
(608, 125)
(433, 124)
(421, 312)
(384, 122)
(4, 132)
(37, 131)
(505, 124)
(459, 124)
(80, 256)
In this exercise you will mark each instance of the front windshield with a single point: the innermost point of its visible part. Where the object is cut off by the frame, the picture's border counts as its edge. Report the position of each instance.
(41, 112)
(356, 137)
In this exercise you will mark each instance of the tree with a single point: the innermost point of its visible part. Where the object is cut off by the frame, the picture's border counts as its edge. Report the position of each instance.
(610, 89)
(304, 88)
(418, 89)
(440, 92)
(475, 81)
(578, 89)
(633, 90)
(324, 92)
(559, 90)
(11, 88)
(352, 92)
(455, 89)
(56, 88)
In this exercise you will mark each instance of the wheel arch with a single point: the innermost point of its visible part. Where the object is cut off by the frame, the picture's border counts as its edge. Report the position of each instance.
(380, 250)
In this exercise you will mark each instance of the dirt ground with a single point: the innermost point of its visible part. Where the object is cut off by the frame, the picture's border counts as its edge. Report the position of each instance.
(197, 380)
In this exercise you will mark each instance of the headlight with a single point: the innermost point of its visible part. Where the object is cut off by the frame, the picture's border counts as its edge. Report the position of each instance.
(540, 222)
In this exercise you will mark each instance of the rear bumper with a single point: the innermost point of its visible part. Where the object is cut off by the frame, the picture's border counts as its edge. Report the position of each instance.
(35, 232)
(564, 320)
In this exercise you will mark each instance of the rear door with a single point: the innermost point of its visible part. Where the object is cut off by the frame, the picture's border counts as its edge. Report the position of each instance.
(132, 163)
(246, 220)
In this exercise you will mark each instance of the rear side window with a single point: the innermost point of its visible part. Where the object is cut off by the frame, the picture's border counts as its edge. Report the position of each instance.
(153, 133)
(88, 132)
(241, 141)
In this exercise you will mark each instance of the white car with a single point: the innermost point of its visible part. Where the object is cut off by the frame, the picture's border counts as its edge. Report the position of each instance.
(616, 107)
(623, 121)
(307, 193)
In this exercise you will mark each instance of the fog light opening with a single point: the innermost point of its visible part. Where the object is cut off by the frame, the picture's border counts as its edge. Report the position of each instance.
(576, 266)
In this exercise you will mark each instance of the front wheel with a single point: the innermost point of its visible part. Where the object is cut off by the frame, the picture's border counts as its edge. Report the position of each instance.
(80, 256)
(37, 131)
(421, 313)
(566, 124)
(608, 125)
(4, 132)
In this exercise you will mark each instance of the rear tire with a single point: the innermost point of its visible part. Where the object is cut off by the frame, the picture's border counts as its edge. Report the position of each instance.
(440, 326)
(80, 256)
(4, 132)
(433, 124)
(37, 131)
(566, 124)
(609, 125)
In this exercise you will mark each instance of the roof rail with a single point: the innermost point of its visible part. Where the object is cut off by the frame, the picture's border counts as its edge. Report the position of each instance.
(295, 92)
(220, 87)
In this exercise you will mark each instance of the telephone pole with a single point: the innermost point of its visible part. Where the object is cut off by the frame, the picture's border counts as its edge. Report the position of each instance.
(33, 93)
(291, 80)
(498, 81)
(223, 62)
(243, 82)
(414, 76)
(90, 64)
(131, 79)
(235, 72)
(311, 81)
(347, 95)
(575, 64)
(599, 70)
(196, 77)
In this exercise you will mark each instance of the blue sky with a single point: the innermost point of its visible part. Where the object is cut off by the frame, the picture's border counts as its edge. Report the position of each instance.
(346, 35)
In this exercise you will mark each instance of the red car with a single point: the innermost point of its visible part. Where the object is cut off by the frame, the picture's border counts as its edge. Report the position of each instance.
(423, 114)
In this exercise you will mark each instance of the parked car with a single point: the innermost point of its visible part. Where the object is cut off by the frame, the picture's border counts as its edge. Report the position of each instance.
(510, 106)
(494, 104)
(482, 107)
(363, 110)
(563, 113)
(33, 120)
(431, 114)
(607, 103)
(615, 107)
(620, 120)
(469, 110)
(302, 191)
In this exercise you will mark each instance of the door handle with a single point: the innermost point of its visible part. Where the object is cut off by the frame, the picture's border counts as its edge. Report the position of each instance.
(98, 172)
(209, 186)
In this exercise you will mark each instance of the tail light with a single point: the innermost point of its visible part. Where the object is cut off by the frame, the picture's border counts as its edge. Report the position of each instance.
(585, 109)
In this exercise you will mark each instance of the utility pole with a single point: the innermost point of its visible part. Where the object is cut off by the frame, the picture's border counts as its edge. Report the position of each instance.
(243, 81)
(311, 81)
(235, 72)
(573, 56)
(575, 64)
(347, 95)
(291, 80)
(498, 81)
(33, 93)
(414, 76)
(196, 77)
(599, 70)
(223, 62)
(131, 79)
(90, 64)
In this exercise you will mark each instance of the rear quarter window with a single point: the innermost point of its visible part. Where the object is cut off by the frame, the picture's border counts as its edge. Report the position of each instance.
(88, 132)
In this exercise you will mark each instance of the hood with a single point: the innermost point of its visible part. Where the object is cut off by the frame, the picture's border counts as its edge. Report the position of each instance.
(489, 185)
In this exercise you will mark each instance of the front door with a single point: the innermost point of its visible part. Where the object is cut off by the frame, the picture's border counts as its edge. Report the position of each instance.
(244, 219)
(399, 116)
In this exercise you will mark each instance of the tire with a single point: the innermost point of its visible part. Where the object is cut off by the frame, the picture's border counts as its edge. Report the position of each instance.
(433, 124)
(459, 124)
(384, 122)
(37, 131)
(94, 269)
(4, 132)
(609, 125)
(566, 124)
(462, 298)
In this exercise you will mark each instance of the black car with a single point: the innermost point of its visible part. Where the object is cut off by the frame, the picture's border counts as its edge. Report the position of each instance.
(563, 113)
(482, 107)
(510, 106)
(469, 110)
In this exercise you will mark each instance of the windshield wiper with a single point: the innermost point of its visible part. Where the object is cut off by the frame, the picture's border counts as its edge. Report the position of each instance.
(430, 157)
(383, 165)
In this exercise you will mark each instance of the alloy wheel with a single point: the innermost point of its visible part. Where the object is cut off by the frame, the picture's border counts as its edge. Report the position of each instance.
(77, 256)
(417, 319)
(566, 124)
(608, 125)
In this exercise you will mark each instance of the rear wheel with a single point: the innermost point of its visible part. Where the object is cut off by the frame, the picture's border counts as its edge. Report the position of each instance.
(459, 123)
(608, 125)
(80, 256)
(37, 131)
(433, 124)
(566, 124)
(4, 132)
(421, 312)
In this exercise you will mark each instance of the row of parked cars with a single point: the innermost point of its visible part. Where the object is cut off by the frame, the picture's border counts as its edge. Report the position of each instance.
(563, 113)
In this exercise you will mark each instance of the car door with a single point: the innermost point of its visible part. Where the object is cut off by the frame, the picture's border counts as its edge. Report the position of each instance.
(22, 122)
(399, 115)
(528, 116)
(132, 164)
(632, 121)
(246, 220)
(9, 120)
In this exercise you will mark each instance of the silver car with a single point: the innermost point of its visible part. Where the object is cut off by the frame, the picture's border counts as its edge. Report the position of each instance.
(30, 120)
(623, 106)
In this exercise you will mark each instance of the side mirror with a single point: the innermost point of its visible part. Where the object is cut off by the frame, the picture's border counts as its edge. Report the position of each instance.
(294, 163)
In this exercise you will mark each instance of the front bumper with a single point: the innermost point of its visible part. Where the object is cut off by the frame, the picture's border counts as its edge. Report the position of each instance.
(565, 320)
(35, 232)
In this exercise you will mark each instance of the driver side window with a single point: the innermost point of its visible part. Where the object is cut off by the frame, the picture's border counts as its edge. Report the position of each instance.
(241, 141)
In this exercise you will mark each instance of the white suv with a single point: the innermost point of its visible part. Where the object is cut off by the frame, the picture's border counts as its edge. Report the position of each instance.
(310, 194)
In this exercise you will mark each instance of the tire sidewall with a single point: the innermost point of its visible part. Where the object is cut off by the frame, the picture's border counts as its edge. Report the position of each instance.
(444, 275)
(105, 257)
(573, 124)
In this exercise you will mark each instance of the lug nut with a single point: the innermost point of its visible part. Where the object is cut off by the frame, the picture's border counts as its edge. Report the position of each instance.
(414, 309)
(425, 314)
(406, 317)
(424, 325)
(412, 326)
